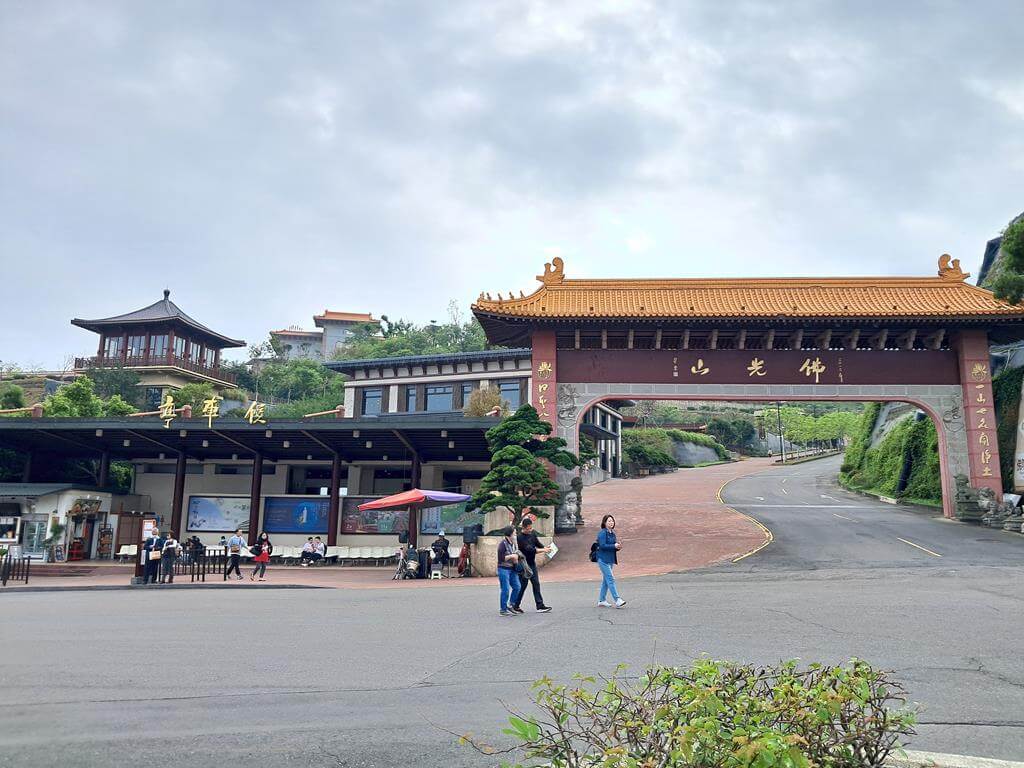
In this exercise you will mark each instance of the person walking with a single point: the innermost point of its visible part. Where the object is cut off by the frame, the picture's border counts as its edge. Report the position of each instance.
(234, 550)
(508, 579)
(263, 549)
(168, 555)
(607, 558)
(529, 544)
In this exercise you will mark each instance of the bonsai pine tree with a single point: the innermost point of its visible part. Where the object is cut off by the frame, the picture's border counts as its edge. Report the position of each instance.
(518, 479)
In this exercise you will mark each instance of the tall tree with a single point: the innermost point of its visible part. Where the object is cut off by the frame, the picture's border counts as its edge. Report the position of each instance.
(518, 479)
(1009, 284)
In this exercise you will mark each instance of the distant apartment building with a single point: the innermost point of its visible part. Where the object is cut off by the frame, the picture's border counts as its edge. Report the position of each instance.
(332, 333)
(163, 345)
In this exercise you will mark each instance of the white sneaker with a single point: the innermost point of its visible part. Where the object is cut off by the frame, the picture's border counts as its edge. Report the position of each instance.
(619, 603)
(604, 604)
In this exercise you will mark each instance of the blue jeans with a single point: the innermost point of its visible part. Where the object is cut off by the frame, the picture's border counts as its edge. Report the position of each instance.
(510, 587)
(607, 581)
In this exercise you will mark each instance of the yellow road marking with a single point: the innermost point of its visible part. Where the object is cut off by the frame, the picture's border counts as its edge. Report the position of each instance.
(923, 549)
(769, 537)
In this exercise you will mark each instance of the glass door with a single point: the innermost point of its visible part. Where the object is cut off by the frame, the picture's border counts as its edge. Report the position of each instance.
(33, 533)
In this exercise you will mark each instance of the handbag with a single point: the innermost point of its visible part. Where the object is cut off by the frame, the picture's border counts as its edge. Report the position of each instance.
(254, 549)
(155, 554)
(525, 570)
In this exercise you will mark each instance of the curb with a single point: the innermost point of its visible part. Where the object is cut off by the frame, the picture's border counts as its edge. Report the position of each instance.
(914, 759)
(161, 588)
(769, 537)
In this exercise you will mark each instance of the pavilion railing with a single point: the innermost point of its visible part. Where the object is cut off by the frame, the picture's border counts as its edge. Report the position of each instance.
(196, 566)
(135, 361)
(14, 569)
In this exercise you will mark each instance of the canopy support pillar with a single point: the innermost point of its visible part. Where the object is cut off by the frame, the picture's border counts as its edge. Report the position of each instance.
(254, 496)
(333, 509)
(179, 493)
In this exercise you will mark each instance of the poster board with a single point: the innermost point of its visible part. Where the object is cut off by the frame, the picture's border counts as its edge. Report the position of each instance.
(290, 514)
(217, 514)
(372, 520)
(451, 519)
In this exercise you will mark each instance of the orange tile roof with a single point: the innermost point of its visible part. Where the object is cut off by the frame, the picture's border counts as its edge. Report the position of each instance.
(944, 296)
(354, 317)
(296, 332)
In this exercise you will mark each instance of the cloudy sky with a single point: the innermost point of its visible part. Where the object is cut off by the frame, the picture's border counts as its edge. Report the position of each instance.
(265, 160)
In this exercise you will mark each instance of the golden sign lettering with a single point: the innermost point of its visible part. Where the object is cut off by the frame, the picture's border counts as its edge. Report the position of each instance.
(211, 409)
(986, 472)
(256, 413)
(816, 368)
(700, 369)
(544, 370)
(983, 439)
(986, 456)
(979, 371)
(982, 423)
(167, 411)
(756, 368)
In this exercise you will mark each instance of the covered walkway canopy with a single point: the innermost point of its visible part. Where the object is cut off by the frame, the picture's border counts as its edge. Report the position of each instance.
(446, 437)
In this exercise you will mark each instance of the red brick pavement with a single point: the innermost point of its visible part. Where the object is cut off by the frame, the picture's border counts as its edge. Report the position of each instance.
(665, 523)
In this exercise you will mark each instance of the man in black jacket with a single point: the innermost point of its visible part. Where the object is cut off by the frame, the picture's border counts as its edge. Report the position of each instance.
(530, 545)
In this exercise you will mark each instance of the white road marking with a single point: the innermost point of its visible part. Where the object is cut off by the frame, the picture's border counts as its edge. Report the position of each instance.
(918, 546)
(844, 517)
(785, 491)
(759, 498)
(830, 498)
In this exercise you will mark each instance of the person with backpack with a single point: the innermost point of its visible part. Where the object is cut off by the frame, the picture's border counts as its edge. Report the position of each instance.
(262, 550)
(508, 577)
(605, 552)
(234, 551)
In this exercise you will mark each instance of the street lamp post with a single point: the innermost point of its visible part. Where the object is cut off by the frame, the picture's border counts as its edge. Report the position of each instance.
(782, 445)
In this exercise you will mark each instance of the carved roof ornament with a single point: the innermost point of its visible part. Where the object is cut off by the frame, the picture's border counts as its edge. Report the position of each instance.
(554, 272)
(949, 268)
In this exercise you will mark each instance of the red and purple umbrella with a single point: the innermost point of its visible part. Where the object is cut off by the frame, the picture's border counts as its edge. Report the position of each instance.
(415, 499)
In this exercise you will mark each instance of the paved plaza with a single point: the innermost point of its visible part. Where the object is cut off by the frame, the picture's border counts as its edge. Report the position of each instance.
(357, 677)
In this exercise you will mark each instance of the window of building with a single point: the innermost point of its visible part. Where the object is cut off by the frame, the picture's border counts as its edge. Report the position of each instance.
(467, 392)
(154, 396)
(158, 345)
(410, 399)
(313, 480)
(194, 352)
(510, 391)
(136, 346)
(211, 357)
(372, 400)
(179, 347)
(113, 346)
(440, 398)
(170, 469)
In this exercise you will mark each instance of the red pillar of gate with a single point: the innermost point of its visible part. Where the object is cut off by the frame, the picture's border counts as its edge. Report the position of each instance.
(979, 411)
(544, 376)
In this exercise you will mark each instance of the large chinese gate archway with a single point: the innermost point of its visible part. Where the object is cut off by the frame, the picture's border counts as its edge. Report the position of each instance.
(922, 340)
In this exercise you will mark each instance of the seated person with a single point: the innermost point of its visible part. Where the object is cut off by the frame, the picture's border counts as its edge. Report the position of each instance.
(440, 547)
(316, 551)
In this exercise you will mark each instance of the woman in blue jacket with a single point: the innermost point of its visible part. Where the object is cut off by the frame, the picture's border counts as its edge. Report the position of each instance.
(607, 558)
(508, 580)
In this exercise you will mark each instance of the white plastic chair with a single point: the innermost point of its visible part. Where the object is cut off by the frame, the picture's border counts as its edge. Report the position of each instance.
(344, 553)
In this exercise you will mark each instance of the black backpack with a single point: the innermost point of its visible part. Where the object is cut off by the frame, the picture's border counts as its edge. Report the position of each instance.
(593, 552)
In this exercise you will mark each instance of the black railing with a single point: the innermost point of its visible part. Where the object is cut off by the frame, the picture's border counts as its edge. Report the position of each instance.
(14, 569)
(197, 566)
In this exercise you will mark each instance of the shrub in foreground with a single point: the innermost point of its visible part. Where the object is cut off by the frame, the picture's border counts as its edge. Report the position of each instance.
(717, 715)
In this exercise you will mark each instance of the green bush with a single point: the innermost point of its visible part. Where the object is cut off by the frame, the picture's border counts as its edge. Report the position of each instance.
(879, 468)
(861, 439)
(1006, 393)
(925, 482)
(698, 438)
(717, 715)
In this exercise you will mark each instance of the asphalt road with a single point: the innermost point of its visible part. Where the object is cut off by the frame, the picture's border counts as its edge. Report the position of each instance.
(372, 678)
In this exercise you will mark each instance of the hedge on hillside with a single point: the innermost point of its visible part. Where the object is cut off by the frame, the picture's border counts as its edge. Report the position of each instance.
(654, 447)
(879, 468)
(697, 438)
(1006, 392)
(860, 439)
